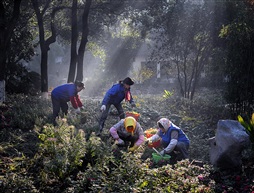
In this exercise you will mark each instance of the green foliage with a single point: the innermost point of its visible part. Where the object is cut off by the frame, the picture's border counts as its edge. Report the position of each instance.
(68, 161)
(97, 50)
(167, 94)
(26, 111)
(182, 42)
(61, 149)
(143, 74)
(133, 175)
(238, 35)
(248, 125)
(113, 176)
(20, 80)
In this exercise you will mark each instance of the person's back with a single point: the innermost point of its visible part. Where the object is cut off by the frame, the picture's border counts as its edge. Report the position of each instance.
(115, 94)
(64, 92)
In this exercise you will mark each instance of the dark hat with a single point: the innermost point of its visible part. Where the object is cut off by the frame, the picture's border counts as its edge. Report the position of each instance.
(79, 84)
(128, 81)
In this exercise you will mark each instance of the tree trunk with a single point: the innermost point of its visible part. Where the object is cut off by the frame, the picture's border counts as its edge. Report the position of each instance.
(44, 45)
(6, 31)
(2, 91)
(74, 39)
(84, 40)
(44, 69)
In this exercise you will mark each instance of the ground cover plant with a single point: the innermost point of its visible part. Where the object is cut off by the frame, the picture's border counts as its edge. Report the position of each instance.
(37, 157)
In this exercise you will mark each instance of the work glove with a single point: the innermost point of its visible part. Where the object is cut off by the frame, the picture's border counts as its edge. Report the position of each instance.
(149, 140)
(77, 111)
(120, 142)
(162, 152)
(133, 104)
(132, 149)
(103, 108)
(116, 143)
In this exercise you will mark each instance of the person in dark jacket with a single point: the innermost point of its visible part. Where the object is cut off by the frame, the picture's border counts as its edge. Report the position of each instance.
(172, 139)
(65, 93)
(114, 96)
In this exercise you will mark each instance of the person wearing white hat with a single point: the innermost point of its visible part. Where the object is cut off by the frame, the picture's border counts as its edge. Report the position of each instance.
(172, 139)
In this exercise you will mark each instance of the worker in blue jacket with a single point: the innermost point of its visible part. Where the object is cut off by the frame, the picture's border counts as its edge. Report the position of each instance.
(65, 93)
(114, 96)
(172, 138)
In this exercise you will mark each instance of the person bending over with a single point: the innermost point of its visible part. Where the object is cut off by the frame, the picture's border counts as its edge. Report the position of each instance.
(62, 94)
(114, 96)
(172, 139)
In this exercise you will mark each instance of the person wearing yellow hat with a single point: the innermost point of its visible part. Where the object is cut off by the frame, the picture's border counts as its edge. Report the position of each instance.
(128, 130)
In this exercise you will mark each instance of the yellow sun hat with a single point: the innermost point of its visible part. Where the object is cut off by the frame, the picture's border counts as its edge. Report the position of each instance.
(130, 124)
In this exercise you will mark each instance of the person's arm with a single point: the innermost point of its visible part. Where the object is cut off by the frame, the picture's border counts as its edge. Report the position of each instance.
(74, 102)
(173, 142)
(113, 132)
(137, 144)
(114, 128)
(140, 140)
(78, 101)
(72, 90)
(155, 137)
(131, 101)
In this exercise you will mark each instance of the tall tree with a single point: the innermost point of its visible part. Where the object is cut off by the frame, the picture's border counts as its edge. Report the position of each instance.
(7, 26)
(97, 18)
(180, 31)
(190, 49)
(74, 41)
(84, 40)
(44, 41)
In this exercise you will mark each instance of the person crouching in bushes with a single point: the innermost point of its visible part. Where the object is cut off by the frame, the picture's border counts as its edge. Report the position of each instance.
(128, 130)
(172, 139)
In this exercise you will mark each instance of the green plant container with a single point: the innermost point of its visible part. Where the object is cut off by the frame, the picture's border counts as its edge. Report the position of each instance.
(157, 158)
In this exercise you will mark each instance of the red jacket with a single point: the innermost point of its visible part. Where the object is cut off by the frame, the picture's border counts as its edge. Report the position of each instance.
(75, 101)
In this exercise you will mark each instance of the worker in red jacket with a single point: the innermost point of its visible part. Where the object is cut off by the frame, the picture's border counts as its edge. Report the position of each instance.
(63, 94)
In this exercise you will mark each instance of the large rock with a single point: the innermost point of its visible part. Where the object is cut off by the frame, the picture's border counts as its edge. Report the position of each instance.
(227, 145)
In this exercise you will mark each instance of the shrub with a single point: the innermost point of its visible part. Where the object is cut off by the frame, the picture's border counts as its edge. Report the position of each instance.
(61, 149)
(249, 126)
(25, 111)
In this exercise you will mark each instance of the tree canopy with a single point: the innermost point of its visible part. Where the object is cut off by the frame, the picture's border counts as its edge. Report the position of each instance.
(193, 42)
